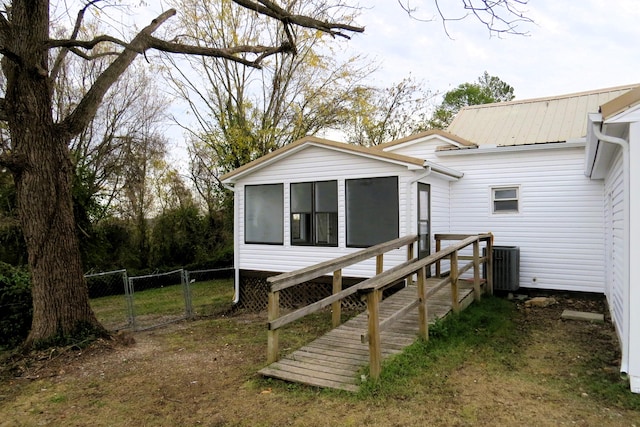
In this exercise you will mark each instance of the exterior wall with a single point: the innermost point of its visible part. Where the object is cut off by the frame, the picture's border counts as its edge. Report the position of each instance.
(559, 228)
(319, 164)
(634, 254)
(614, 242)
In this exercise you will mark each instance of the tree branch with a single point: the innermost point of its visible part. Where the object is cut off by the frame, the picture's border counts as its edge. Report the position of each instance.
(269, 8)
(498, 16)
(229, 53)
(87, 44)
(144, 40)
(88, 105)
(57, 65)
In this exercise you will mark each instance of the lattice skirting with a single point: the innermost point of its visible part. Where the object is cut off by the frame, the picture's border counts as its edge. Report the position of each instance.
(254, 292)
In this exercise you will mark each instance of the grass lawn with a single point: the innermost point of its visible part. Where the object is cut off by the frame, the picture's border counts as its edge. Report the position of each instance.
(161, 305)
(498, 363)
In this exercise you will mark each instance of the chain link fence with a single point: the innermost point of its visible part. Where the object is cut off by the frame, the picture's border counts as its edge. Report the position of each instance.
(109, 298)
(144, 302)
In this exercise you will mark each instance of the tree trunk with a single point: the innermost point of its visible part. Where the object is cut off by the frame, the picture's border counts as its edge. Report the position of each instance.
(43, 174)
(60, 295)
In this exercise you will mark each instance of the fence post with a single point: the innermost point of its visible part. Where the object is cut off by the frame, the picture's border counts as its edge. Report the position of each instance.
(489, 264)
(336, 306)
(375, 351)
(186, 288)
(453, 275)
(128, 289)
(272, 334)
(379, 269)
(379, 263)
(423, 315)
(438, 265)
(476, 270)
(409, 258)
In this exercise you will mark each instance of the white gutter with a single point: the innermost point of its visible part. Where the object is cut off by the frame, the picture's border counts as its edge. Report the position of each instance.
(443, 170)
(236, 245)
(486, 149)
(624, 144)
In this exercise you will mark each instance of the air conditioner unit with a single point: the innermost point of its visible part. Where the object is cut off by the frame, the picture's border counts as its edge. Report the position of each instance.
(506, 268)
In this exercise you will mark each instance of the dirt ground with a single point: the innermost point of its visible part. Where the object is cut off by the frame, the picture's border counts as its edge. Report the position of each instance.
(204, 373)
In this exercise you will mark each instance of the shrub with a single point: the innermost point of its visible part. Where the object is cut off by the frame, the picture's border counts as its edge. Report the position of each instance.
(16, 307)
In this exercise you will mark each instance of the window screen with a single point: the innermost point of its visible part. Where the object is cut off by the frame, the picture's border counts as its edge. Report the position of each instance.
(372, 211)
(264, 214)
(505, 200)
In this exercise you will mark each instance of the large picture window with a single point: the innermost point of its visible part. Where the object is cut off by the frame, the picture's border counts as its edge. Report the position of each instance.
(372, 211)
(314, 213)
(264, 214)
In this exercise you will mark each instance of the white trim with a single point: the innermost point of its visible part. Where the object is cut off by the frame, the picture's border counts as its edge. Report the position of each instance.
(518, 198)
(483, 149)
(443, 170)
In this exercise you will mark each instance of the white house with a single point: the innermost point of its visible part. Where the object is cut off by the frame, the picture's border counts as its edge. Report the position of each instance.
(613, 158)
(516, 169)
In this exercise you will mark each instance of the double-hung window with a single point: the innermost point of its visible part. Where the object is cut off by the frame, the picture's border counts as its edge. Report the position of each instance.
(505, 200)
(314, 213)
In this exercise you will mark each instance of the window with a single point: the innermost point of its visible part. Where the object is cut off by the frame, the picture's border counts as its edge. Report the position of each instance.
(372, 211)
(264, 214)
(505, 199)
(314, 213)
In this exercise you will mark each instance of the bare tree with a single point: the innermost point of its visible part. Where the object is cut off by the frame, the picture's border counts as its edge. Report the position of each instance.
(243, 113)
(383, 114)
(37, 152)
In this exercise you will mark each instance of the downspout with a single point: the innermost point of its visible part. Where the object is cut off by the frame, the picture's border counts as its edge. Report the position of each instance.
(624, 144)
(236, 244)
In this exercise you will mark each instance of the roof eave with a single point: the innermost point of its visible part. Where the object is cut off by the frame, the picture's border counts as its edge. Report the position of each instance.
(232, 177)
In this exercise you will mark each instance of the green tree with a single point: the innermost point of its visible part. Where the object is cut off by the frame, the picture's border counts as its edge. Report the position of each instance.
(486, 90)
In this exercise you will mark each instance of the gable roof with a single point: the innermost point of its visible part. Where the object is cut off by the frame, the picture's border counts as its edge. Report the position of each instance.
(532, 121)
(453, 139)
(287, 150)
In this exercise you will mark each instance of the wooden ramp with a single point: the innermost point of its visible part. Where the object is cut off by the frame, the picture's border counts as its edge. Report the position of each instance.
(334, 359)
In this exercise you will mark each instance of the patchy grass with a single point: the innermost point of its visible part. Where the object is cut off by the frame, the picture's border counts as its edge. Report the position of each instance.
(158, 305)
(498, 363)
(484, 331)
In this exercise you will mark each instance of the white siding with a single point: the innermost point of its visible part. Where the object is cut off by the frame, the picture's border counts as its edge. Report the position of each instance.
(614, 238)
(559, 228)
(420, 149)
(318, 164)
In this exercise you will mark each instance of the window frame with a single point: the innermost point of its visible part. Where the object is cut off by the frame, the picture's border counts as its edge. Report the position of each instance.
(312, 215)
(281, 212)
(349, 238)
(494, 200)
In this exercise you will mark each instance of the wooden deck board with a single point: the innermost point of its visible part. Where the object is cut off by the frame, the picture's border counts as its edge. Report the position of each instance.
(334, 359)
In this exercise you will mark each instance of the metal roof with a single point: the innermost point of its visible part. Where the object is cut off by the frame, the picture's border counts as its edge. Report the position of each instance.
(532, 121)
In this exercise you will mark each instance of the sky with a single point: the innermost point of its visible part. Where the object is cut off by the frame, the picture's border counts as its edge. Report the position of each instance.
(570, 47)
